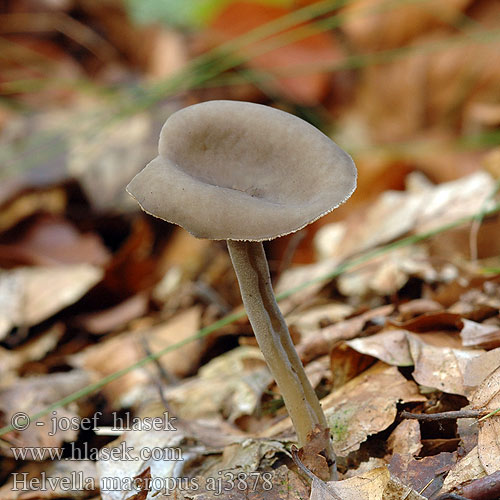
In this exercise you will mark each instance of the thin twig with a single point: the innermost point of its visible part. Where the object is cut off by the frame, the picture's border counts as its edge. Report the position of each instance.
(447, 415)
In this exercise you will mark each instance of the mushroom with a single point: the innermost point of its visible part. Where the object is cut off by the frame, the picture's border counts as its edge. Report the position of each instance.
(246, 173)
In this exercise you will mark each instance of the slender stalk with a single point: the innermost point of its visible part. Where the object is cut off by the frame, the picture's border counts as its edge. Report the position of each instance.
(250, 264)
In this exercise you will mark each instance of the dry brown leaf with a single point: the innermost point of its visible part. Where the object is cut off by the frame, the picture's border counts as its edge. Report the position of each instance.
(480, 335)
(310, 453)
(51, 241)
(236, 379)
(439, 366)
(296, 277)
(409, 310)
(405, 438)
(428, 87)
(465, 470)
(107, 161)
(364, 467)
(424, 474)
(115, 317)
(487, 395)
(389, 273)
(374, 485)
(468, 430)
(362, 407)
(488, 444)
(415, 210)
(479, 368)
(31, 295)
(30, 395)
(320, 342)
(311, 319)
(432, 322)
(186, 456)
(366, 405)
(390, 346)
(32, 350)
(346, 363)
(142, 482)
(127, 348)
(475, 63)
(52, 201)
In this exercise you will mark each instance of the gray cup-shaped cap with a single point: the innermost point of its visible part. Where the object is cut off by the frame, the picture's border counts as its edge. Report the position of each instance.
(230, 170)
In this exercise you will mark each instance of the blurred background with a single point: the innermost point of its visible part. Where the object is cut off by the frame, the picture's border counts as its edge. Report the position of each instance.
(408, 85)
(410, 88)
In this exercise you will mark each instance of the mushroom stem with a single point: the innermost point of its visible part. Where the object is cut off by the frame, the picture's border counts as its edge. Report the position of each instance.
(271, 331)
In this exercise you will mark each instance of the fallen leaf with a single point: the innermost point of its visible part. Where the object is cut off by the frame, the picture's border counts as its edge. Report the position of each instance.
(320, 342)
(390, 346)
(243, 454)
(31, 295)
(465, 470)
(387, 274)
(236, 379)
(51, 241)
(32, 350)
(297, 277)
(121, 351)
(468, 430)
(488, 444)
(107, 161)
(29, 396)
(374, 485)
(142, 482)
(487, 396)
(405, 438)
(396, 213)
(409, 310)
(362, 407)
(431, 322)
(482, 366)
(480, 335)
(115, 317)
(440, 367)
(51, 201)
(424, 474)
(311, 319)
(346, 363)
(310, 453)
